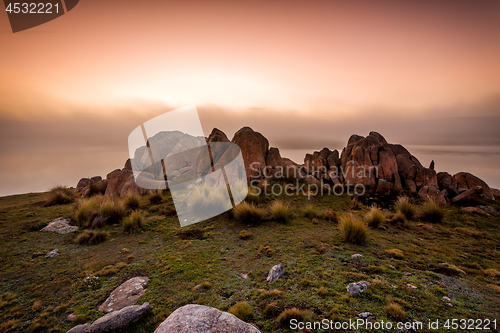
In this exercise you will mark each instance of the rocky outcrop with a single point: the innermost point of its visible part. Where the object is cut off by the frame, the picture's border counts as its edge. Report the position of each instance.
(430, 193)
(116, 181)
(126, 294)
(467, 181)
(194, 318)
(114, 321)
(369, 160)
(469, 195)
(60, 226)
(82, 183)
(254, 148)
(447, 182)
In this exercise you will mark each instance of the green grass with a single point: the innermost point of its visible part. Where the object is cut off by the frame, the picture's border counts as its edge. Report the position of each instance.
(315, 256)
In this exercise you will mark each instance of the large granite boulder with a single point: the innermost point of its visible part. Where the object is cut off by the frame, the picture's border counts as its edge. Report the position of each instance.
(467, 181)
(115, 321)
(193, 318)
(82, 183)
(315, 164)
(125, 294)
(447, 182)
(468, 196)
(254, 148)
(116, 181)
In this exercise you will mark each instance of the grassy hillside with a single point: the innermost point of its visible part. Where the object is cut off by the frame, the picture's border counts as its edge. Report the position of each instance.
(400, 258)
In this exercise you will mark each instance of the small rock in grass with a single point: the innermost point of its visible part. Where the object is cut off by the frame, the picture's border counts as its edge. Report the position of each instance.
(71, 317)
(450, 305)
(52, 253)
(125, 295)
(275, 273)
(357, 255)
(368, 316)
(357, 287)
(60, 226)
(244, 276)
(198, 286)
(408, 274)
(411, 286)
(446, 298)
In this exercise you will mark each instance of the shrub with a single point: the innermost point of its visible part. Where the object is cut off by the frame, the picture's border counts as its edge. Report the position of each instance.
(86, 211)
(280, 211)
(248, 213)
(374, 217)
(155, 197)
(206, 285)
(403, 204)
(322, 291)
(265, 250)
(305, 283)
(310, 212)
(394, 311)
(242, 310)
(90, 237)
(430, 211)
(245, 234)
(59, 195)
(132, 201)
(134, 222)
(37, 306)
(112, 210)
(330, 215)
(293, 313)
(353, 229)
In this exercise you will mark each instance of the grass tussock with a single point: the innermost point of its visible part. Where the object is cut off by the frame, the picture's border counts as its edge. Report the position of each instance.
(394, 311)
(398, 219)
(310, 212)
(469, 232)
(86, 211)
(242, 310)
(245, 234)
(248, 213)
(431, 212)
(281, 211)
(395, 253)
(405, 206)
(156, 197)
(91, 237)
(491, 272)
(330, 215)
(59, 195)
(132, 201)
(293, 313)
(322, 291)
(353, 230)
(134, 222)
(374, 217)
(112, 210)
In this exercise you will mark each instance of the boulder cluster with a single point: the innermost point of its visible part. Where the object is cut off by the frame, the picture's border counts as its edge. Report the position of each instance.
(368, 161)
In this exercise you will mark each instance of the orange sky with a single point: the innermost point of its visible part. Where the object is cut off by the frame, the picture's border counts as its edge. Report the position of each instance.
(349, 62)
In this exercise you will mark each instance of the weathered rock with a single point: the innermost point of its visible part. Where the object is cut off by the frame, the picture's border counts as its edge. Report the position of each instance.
(82, 183)
(469, 195)
(410, 185)
(126, 294)
(115, 321)
(273, 158)
(447, 182)
(128, 165)
(275, 273)
(254, 147)
(71, 317)
(490, 210)
(468, 181)
(407, 167)
(368, 316)
(312, 180)
(193, 318)
(324, 153)
(384, 187)
(52, 253)
(474, 210)
(387, 165)
(431, 166)
(433, 194)
(116, 180)
(60, 226)
(95, 179)
(333, 159)
(315, 164)
(357, 287)
(496, 192)
(147, 182)
(426, 177)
